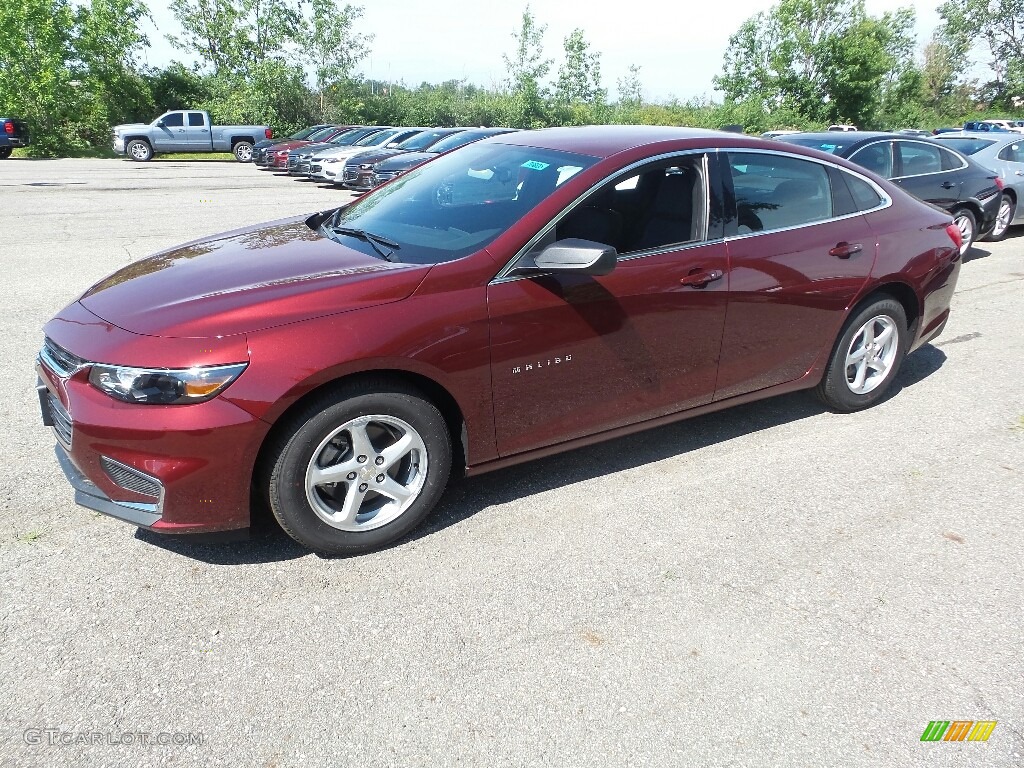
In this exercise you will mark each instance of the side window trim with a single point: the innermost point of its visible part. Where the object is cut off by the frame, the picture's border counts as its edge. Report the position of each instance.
(506, 273)
(731, 216)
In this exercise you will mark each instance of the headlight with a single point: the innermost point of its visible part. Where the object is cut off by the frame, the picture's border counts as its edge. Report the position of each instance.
(365, 166)
(163, 386)
(330, 160)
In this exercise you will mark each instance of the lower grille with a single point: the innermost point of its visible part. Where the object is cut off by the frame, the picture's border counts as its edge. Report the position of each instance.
(131, 479)
(62, 423)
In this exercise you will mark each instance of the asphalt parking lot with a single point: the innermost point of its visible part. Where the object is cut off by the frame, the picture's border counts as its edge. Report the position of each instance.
(774, 585)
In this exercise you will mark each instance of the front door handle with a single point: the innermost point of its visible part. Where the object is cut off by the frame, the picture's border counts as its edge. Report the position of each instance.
(846, 250)
(1019, 173)
(948, 185)
(698, 278)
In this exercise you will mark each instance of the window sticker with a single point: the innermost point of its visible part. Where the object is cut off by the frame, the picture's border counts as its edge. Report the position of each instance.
(535, 165)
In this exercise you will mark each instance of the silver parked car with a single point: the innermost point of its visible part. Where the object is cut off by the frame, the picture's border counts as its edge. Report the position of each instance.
(1004, 154)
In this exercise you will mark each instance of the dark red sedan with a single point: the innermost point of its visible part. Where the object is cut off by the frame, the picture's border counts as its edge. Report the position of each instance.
(520, 296)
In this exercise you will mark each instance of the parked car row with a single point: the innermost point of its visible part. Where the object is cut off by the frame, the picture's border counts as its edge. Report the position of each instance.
(978, 198)
(360, 158)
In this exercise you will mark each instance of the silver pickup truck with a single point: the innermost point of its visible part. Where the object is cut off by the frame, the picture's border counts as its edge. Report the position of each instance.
(187, 130)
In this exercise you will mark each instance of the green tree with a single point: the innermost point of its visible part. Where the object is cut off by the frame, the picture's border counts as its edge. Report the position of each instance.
(333, 49)
(527, 69)
(826, 60)
(579, 76)
(1000, 24)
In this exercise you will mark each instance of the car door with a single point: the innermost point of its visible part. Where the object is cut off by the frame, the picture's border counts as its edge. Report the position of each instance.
(169, 133)
(929, 172)
(799, 253)
(198, 132)
(576, 354)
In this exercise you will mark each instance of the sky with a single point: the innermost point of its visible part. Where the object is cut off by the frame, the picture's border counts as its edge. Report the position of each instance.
(678, 46)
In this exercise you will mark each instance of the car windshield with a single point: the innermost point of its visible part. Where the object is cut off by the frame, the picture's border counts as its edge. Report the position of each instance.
(830, 145)
(423, 140)
(320, 134)
(966, 146)
(457, 140)
(374, 139)
(455, 205)
(349, 137)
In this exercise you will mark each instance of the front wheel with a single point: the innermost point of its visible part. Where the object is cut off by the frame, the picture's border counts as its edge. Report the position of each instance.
(243, 151)
(968, 227)
(1003, 219)
(139, 150)
(866, 358)
(359, 468)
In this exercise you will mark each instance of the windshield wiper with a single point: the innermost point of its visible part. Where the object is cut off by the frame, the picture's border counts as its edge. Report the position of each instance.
(375, 240)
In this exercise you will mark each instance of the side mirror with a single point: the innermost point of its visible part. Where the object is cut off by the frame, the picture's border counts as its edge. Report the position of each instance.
(576, 255)
(160, 123)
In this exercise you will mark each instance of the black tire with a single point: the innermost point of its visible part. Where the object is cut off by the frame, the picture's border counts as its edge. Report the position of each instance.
(968, 226)
(243, 151)
(1007, 208)
(304, 440)
(5, 152)
(139, 150)
(835, 389)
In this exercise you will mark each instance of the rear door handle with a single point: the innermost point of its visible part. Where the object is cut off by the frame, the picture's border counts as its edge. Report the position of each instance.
(846, 250)
(698, 278)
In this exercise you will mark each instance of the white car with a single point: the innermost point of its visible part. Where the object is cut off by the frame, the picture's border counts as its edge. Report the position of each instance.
(1010, 125)
(328, 164)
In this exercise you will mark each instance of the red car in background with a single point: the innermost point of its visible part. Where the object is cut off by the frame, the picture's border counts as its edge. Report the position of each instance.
(276, 155)
(516, 297)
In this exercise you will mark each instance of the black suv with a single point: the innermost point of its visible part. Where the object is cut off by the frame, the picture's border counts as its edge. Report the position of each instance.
(13, 133)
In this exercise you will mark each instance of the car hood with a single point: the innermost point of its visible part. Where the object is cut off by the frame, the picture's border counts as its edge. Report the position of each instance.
(375, 156)
(130, 127)
(334, 151)
(247, 280)
(405, 160)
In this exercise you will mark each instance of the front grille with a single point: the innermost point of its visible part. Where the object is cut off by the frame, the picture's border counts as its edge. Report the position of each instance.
(131, 479)
(65, 364)
(293, 160)
(315, 168)
(351, 174)
(380, 178)
(62, 423)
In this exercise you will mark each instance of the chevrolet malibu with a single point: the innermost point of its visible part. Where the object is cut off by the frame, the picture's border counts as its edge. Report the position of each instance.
(517, 297)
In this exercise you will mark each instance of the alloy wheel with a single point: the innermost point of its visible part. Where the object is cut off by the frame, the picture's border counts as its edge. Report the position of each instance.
(871, 354)
(366, 473)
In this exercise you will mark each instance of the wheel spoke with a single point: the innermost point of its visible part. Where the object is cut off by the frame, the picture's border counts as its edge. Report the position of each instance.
(398, 450)
(857, 354)
(360, 440)
(393, 489)
(883, 338)
(337, 473)
(353, 503)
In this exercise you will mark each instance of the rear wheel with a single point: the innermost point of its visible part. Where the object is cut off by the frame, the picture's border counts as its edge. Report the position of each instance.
(139, 150)
(1003, 219)
(968, 227)
(359, 468)
(243, 151)
(866, 358)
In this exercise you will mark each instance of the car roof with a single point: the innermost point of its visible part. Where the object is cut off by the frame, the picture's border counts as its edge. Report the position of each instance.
(848, 136)
(607, 140)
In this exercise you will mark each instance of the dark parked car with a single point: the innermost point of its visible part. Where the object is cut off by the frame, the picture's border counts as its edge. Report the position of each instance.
(13, 134)
(517, 297)
(299, 157)
(418, 143)
(924, 168)
(302, 135)
(389, 168)
(277, 156)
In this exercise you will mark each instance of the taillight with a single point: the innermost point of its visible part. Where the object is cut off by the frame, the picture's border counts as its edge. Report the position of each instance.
(270, 133)
(9, 128)
(955, 235)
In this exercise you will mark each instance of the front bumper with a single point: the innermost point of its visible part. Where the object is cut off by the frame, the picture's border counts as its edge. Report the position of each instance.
(171, 469)
(319, 171)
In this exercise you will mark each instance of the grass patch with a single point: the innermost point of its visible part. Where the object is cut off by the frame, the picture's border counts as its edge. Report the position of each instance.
(215, 156)
(31, 537)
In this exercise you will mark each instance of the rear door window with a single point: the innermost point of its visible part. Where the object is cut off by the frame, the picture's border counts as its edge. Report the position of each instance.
(778, 191)
(875, 157)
